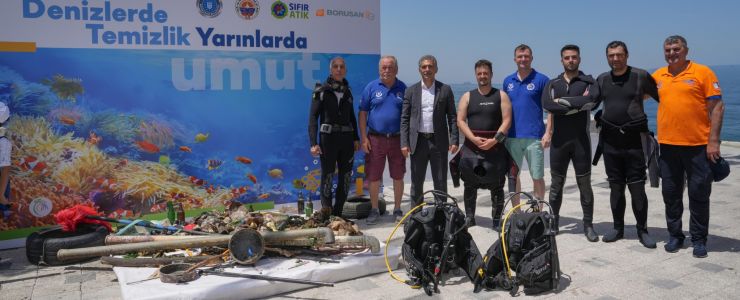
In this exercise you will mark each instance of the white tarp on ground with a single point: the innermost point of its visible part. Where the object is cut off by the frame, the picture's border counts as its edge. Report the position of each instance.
(219, 287)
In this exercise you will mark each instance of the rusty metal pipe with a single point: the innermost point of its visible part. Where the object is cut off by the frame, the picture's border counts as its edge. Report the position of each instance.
(300, 237)
(360, 241)
(320, 237)
(129, 239)
(201, 241)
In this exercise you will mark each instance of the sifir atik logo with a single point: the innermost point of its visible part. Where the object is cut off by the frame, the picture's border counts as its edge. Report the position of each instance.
(292, 10)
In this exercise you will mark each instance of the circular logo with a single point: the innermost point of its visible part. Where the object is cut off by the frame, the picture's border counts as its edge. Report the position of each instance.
(378, 94)
(247, 9)
(209, 8)
(530, 87)
(40, 207)
(510, 87)
(279, 9)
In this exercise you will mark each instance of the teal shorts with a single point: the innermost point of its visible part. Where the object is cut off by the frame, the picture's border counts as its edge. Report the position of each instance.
(532, 150)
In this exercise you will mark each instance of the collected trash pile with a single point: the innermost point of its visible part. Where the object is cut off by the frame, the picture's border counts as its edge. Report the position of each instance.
(211, 241)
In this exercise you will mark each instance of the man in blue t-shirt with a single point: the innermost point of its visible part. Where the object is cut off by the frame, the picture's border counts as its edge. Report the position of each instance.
(527, 136)
(380, 130)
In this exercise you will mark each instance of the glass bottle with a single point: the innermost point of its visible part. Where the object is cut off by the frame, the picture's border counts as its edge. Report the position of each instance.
(180, 214)
(301, 202)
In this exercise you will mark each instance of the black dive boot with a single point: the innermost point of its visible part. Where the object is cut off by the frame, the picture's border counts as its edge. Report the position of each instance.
(470, 195)
(645, 239)
(587, 204)
(326, 185)
(617, 202)
(640, 207)
(613, 235)
(556, 198)
(341, 194)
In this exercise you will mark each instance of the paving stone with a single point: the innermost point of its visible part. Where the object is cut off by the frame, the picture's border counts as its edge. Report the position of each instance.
(710, 267)
(665, 283)
(362, 285)
(61, 296)
(597, 262)
(78, 278)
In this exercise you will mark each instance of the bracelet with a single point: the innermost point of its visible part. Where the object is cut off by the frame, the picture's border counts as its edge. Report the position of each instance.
(499, 137)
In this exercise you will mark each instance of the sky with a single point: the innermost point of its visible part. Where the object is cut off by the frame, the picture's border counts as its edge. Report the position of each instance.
(458, 33)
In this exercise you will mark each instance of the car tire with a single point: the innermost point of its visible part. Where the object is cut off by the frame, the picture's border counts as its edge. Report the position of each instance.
(42, 246)
(358, 207)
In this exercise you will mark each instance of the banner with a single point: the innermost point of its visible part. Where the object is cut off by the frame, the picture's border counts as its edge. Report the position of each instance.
(128, 105)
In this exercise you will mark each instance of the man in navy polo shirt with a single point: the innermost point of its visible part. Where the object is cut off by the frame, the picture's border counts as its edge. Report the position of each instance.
(380, 126)
(527, 136)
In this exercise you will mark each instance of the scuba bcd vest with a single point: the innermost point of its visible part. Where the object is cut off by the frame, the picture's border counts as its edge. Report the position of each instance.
(529, 241)
(437, 241)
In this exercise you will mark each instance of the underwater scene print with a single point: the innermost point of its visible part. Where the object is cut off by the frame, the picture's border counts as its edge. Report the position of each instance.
(130, 130)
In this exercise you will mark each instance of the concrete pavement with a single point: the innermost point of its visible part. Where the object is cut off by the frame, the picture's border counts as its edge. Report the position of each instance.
(623, 269)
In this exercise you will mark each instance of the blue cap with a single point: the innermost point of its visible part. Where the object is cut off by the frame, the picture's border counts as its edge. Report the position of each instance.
(720, 169)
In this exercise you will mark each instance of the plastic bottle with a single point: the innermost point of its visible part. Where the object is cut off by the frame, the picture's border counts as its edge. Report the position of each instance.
(309, 208)
(301, 202)
(171, 216)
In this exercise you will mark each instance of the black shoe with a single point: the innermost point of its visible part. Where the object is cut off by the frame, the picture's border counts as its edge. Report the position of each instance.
(470, 221)
(700, 250)
(591, 234)
(613, 236)
(496, 225)
(556, 224)
(645, 239)
(6, 262)
(673, 245)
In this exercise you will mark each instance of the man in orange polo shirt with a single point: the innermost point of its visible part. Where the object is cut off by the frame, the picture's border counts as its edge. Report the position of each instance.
(689, 123)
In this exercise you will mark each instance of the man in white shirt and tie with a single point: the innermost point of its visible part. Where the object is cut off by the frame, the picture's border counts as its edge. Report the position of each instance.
(428, 128)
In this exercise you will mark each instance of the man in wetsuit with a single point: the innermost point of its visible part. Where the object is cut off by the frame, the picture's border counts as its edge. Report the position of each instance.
(428, 129)
(689, 123)
(380, 128)
(568, 101)
(526, 136)
(333, 115)
(623, 126)
(484, 117)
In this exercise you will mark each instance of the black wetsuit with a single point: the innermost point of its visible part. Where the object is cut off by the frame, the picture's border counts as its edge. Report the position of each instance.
(623, 124)
(333, 116)
(484, 168)
(571, 139)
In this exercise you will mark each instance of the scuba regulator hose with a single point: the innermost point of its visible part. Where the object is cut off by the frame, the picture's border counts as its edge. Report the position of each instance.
(388, 240)
(534, 207)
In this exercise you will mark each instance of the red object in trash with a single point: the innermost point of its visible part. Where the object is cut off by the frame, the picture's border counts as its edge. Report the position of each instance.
(68, 218)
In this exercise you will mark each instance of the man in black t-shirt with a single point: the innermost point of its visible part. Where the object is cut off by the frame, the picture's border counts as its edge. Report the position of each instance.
(568, 101)
(624, 128)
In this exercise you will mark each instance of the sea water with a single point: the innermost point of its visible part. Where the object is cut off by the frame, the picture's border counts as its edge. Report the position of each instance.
(729, 80)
